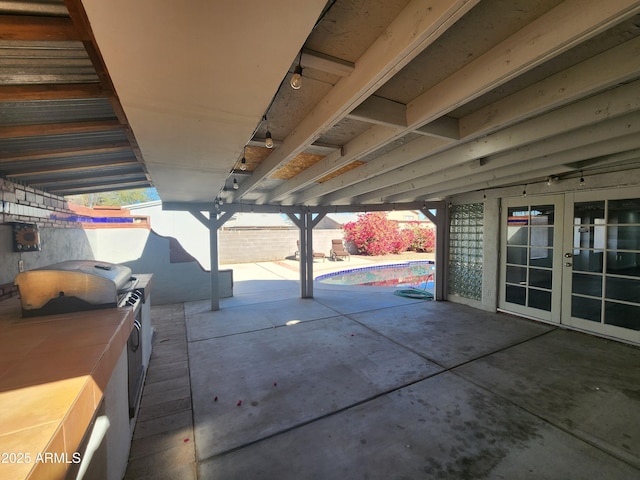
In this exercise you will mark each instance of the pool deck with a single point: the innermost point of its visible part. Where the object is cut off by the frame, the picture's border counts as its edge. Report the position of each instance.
(288, 269)
(360, 383)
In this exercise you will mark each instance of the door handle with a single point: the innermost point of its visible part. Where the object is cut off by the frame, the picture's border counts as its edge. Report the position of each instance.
(568, 264)
(568, 255)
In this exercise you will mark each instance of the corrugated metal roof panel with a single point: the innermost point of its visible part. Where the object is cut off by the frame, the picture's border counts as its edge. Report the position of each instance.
(128, 172)
(52, 8)
(67, 163)
(55, 111)
(25, 62)
(10, 147)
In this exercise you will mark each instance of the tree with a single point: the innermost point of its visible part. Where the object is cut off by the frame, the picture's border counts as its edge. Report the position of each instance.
(115, 198)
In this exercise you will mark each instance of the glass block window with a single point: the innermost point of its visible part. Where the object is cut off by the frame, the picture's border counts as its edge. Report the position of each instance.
(465, 250)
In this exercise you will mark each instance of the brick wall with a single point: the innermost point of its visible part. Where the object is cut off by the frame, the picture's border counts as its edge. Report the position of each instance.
(27, 205)
(8, 290)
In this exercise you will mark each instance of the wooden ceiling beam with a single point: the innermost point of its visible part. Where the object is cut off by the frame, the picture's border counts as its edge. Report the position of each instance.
(610, 68)
(366, 176)
(355, 149)
(380, 111)
(413, 30)
(592, 110)
(325, 63)
(27, 27)
(480, 75)
(522, 171)
(543, 152)
(443, 127)
(59, 128)
(565, 26)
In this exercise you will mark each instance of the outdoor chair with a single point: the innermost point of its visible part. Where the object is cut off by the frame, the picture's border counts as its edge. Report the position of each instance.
(338, 250)
(315, 254)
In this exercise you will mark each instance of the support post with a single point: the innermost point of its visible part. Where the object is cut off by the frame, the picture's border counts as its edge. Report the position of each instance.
(441, 221)
(308, 233)
(442, 252)
(305, 222)
(213, 223)
(215, 267)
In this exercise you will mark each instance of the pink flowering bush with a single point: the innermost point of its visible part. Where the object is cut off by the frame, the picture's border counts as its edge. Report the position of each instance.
(423, 239)
(375, 234)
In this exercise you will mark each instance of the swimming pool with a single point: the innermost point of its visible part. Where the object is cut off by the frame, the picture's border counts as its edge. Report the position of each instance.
(412, 273)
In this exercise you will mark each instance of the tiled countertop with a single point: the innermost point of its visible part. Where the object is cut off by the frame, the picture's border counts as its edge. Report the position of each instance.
(53, 371)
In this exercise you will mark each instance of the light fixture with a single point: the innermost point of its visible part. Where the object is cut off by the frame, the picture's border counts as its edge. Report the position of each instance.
(220, 201)
(524, 192)
(581, 179)
(235, 184)
(551, 179)
(268, 141)
(296, 79)
(243, 162)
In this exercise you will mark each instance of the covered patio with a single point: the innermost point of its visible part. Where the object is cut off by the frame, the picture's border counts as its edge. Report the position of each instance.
(401, 388)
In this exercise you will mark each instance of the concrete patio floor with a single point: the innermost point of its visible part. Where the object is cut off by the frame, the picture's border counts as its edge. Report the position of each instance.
(359, 383)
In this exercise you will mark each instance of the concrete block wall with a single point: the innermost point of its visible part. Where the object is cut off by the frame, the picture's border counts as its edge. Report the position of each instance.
(242, 246)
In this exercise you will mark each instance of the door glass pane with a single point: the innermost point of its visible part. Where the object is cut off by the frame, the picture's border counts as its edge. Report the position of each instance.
(541, 257)
(517, 235)
(542, 215)
(586, 308)
(587, 261)
(586, 213)
(623, 238)
(587, 284)
(623, 289)
(517, 255)
(542, 236)
(623, 263)
(621, 315)
(589, 236)
(624, 211)
(517, 295)
(517, 226)
(519, 214)
(516, 275)
(540, 299)
(540, 278)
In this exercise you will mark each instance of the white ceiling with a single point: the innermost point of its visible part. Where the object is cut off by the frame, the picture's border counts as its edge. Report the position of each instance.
(431, 98)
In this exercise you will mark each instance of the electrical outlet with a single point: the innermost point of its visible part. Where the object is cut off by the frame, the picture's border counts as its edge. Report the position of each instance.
(21, 266)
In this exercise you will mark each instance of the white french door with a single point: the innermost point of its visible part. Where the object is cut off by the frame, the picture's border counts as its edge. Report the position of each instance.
(601, 268)
(530, 256)
(574, 259)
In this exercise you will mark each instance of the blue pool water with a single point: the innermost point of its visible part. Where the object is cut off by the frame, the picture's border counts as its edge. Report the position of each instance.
(412, 273)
